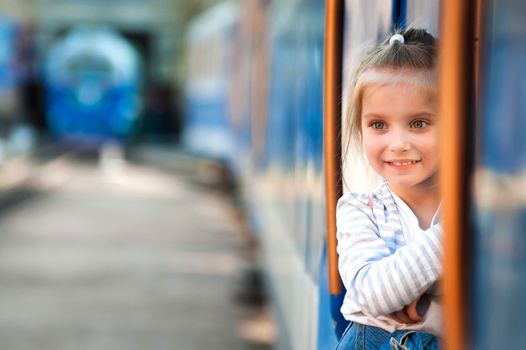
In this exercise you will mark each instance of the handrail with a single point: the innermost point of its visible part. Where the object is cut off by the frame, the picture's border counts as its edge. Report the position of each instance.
(332, 127)
(455, 97)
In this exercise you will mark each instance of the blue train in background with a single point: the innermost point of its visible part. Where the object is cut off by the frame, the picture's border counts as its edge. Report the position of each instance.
(283, 63)
(93, 87)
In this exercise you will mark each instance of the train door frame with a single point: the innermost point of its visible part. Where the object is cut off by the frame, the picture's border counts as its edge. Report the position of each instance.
(460, 23)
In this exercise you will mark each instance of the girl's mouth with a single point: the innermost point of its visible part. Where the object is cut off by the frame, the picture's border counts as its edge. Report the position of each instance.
(402, 164)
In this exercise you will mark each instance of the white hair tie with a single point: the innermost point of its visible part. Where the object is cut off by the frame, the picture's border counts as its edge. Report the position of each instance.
(397, 37)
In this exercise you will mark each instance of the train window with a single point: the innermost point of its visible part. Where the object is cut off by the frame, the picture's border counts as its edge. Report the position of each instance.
(358, 37)
(499, 194)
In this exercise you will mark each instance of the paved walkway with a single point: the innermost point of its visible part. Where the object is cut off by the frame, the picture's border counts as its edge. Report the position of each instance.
(120, 256)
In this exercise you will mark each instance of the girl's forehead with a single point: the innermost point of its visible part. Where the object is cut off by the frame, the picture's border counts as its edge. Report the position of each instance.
(408, 81)
(419, 78)
(398, 88)
(396, 98)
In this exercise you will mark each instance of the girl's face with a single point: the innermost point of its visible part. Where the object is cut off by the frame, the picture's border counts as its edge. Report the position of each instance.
(400, 132)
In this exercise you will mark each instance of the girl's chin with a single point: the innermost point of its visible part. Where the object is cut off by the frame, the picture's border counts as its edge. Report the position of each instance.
(412, 183)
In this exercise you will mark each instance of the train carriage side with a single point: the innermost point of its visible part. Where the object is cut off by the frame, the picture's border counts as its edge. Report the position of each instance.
(210, 48)
(288, 179)
(286, 191)
(288, 187)
(497, 245)
(249, 90)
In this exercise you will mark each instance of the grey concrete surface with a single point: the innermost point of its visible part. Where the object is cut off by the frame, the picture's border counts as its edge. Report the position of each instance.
(119, 256)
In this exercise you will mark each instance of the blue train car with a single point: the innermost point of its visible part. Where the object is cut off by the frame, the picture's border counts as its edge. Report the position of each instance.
(93, 82)
(281, 132)
(267, 102)
(496, 248)
(287, 191)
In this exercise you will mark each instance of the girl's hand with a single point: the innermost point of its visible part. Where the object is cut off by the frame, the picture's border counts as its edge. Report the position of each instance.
(414, 312)
(402, 316)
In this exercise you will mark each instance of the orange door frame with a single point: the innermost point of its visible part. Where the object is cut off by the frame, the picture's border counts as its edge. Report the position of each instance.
(455, 104)
(332, 126)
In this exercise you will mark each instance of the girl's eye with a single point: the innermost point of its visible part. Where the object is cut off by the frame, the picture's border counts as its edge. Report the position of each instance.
(378, 125)
(418, 124)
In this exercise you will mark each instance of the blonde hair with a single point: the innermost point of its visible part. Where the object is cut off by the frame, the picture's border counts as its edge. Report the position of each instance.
(411, 62)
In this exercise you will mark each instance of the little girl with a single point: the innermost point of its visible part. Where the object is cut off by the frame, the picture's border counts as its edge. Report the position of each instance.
(389, 241)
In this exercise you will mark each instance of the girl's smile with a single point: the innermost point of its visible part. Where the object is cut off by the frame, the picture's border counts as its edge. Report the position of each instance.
(400, 131)
(402, 164)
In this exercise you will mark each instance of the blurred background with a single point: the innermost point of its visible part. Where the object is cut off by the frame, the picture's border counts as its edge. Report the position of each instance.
(120, 225)
(152, 32)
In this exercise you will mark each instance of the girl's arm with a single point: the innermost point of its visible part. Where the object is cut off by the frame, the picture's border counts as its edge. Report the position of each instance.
(380, 280)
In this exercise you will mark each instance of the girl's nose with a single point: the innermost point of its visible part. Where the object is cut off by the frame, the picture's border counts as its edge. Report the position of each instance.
(399, 143)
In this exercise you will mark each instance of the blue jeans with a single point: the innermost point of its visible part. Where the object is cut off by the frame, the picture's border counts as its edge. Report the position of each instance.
(361, 337)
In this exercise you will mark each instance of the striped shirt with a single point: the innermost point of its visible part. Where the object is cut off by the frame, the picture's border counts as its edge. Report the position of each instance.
(382, 273)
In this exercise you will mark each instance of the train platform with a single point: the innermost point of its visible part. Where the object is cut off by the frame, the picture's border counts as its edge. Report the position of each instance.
(112, 254)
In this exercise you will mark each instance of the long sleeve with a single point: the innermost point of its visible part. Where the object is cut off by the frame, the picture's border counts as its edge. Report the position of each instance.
(379, 277)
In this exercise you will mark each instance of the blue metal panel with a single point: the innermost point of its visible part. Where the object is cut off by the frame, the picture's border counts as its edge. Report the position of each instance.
(295, 112)
(294, 153)
(498, 313)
